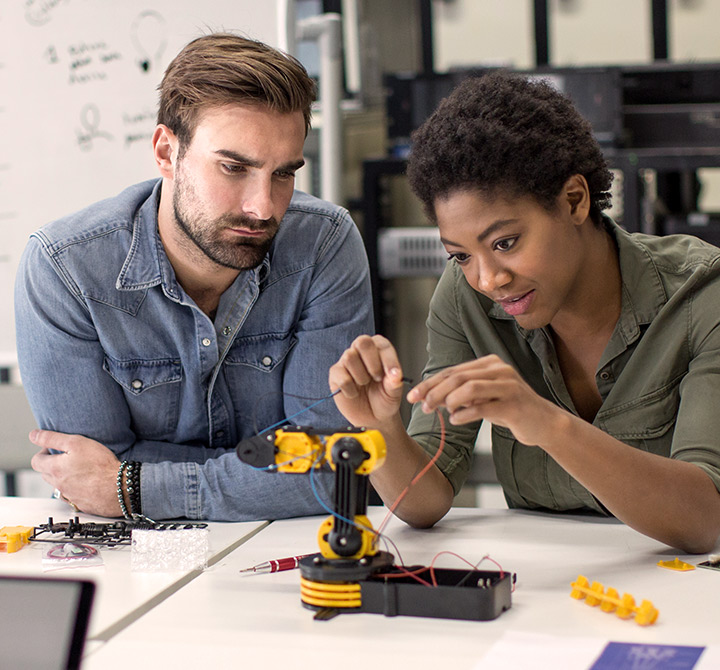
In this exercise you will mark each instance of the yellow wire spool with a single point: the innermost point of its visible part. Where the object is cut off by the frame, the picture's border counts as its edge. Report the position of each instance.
(329, 594)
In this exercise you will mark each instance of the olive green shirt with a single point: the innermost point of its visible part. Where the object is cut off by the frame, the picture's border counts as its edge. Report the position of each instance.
(659, 376)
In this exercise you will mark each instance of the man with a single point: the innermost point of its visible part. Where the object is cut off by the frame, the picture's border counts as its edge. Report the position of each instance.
(593, 352)
(162, 326)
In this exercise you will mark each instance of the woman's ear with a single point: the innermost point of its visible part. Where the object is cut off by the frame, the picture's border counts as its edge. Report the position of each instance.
(165, 148)
(576, 196)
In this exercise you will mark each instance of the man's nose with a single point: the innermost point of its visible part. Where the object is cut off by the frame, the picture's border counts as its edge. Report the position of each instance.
(257, 199)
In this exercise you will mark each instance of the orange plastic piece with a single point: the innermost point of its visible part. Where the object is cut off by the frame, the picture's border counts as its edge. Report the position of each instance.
(14, 538)
(609, 601)
(676, 564)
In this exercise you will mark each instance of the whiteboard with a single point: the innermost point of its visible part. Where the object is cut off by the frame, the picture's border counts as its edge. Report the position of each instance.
(78, 100)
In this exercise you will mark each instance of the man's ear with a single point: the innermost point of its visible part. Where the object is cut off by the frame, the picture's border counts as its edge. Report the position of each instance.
(165, 148)
(576, 196)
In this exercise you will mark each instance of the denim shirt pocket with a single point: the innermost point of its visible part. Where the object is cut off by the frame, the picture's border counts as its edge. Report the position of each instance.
(262, 353)
(257, 362)
(152, 391)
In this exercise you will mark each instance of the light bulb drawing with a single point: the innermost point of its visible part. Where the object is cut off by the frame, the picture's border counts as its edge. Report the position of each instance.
(148, 35)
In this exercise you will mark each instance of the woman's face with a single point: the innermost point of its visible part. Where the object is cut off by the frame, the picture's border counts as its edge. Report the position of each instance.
(516, 252)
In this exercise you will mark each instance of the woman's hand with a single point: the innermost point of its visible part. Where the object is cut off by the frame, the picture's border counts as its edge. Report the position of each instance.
(369, 378)
(490, 389)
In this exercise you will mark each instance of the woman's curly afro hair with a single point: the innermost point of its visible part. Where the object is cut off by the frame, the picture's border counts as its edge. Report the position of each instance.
(503, 134)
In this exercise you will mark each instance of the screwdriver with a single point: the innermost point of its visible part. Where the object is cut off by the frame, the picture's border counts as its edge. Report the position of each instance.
(276, 565)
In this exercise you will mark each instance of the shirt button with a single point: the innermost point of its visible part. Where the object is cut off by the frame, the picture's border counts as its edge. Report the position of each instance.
(206, 342)
(267, 361)
(604, 375)
(219, 433)
(136, 384)
(227, 330)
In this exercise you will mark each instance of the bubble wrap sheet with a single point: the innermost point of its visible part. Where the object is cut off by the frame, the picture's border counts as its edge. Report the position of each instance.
(166, 550)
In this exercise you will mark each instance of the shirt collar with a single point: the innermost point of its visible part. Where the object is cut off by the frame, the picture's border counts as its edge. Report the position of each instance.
(142, 267)
(643, 290)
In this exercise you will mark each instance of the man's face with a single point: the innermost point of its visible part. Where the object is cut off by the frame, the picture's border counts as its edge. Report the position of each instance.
(515, 252)
(234, 182)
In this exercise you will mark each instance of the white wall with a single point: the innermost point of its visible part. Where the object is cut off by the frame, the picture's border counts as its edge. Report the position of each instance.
(483, 32)
(582, 32)
(693, 30)
(610, 32)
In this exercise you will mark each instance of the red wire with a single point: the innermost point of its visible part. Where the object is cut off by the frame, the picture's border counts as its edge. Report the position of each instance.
(472, 565)
(404, 572)
(417, 477)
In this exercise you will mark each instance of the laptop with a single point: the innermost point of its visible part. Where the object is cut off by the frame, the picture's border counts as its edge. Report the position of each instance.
(43, 622)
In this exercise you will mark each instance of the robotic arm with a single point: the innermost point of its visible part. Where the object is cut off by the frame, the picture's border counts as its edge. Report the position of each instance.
(350, 574)
(352, 454)
(347, 540)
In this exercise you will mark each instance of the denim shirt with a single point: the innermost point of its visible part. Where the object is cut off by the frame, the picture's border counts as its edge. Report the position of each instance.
(659, 376)
(111, 347)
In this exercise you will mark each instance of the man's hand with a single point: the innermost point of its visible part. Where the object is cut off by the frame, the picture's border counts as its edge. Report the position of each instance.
(84, 472)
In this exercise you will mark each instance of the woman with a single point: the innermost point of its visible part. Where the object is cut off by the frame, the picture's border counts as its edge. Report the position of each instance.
(594, 353)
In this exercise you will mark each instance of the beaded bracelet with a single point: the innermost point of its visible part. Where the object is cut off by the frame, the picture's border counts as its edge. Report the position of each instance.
(119, 486)
(132, 479)
(128, 478)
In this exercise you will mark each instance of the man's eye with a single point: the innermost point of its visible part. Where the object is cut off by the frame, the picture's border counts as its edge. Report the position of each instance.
(287, 174)
(459, 257)
(232, 168)
(505, 244)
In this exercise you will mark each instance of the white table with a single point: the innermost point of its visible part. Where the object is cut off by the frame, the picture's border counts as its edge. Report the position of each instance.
(121, 595)
(223, 619)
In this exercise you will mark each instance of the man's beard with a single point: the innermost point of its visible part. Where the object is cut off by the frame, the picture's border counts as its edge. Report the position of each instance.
(244, 253)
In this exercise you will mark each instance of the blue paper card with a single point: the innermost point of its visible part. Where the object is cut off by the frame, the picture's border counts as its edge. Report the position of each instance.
(632, 656)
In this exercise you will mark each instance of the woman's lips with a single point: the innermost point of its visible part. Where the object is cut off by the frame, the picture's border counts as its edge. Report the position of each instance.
(519, 305)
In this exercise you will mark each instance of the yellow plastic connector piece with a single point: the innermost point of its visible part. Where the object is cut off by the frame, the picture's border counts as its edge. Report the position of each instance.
(373, 444)
(297, 451)
(676, 564)
(364, 527)
(595, 594)
(14, 538)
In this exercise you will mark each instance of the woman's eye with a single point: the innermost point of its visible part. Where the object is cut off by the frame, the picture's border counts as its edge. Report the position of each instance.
(459, 258)
(505, 244)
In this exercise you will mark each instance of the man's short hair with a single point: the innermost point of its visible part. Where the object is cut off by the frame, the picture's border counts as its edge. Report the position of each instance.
(223, 68)
(504, 134)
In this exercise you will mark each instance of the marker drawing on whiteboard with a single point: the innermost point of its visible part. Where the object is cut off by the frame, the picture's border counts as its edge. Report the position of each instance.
(148, 34)
(39, 12)
(90, 121)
